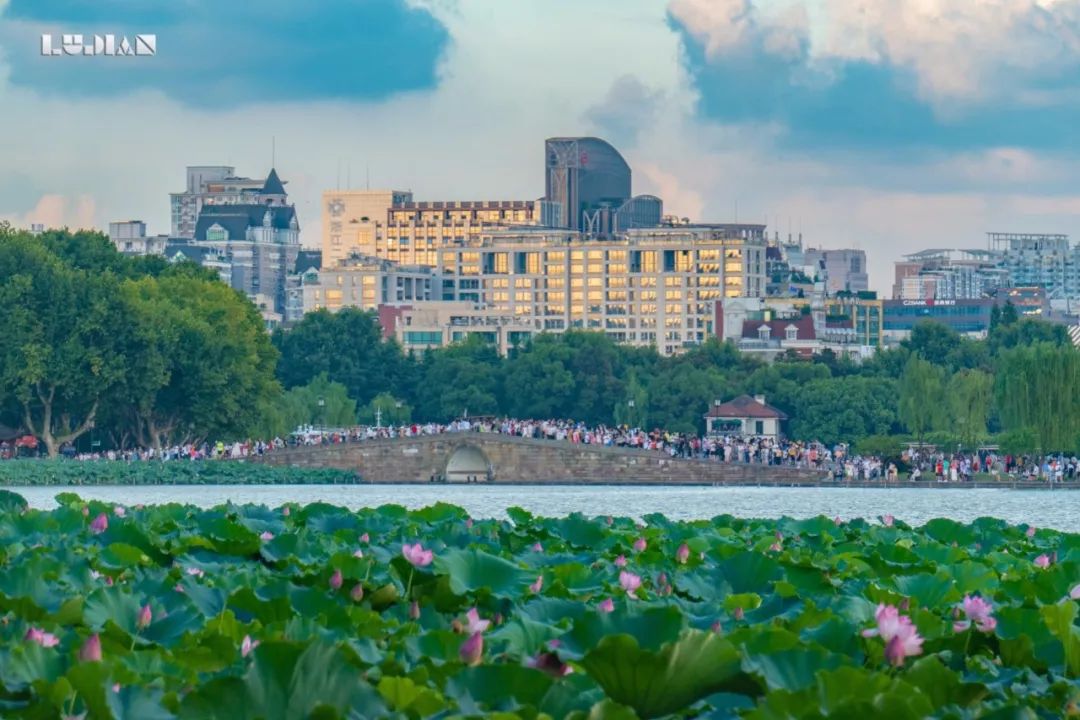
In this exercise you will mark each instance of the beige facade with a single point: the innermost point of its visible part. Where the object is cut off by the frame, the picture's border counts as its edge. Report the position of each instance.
(366, 282)
(436, 324)
(647, 287)
(388, 224)
(352, 219)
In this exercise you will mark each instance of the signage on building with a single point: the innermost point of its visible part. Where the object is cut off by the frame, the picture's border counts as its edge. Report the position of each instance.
(928, 303)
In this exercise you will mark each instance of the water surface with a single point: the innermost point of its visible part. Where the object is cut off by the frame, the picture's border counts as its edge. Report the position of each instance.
(1057, 509)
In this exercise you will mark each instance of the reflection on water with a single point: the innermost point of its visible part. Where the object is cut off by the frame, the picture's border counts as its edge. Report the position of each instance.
(1057, 509)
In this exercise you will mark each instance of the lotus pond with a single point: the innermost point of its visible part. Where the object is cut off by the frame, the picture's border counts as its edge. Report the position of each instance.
(244, 611)
(36, 472)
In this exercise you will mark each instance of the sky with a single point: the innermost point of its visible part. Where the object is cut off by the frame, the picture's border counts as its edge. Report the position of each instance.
(885, 126)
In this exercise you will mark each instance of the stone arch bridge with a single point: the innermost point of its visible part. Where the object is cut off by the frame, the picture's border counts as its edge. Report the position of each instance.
(490, 457)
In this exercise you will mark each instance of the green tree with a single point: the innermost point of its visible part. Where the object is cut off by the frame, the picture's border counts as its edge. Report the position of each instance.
(921, 396)
(1036, 390)
(464, 377)
(348, 346)
(385, 409)
(970, 393)
(539, 382)
(633, 411)
(845, 410)
(202, 362)
(61, 351)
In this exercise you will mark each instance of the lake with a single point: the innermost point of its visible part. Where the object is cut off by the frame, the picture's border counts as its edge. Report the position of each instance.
(1055, 509)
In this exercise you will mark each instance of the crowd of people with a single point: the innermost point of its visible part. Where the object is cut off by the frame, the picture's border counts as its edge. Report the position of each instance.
(836, 462)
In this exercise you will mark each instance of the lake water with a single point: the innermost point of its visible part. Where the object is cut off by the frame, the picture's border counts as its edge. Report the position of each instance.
(1056, 509)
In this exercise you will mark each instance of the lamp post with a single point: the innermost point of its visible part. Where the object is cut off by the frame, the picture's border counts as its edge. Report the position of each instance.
(322, 411)
(630, 413)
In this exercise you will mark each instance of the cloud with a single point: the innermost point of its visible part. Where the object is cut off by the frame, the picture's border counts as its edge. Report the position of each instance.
(628, 107)
(227, 54)
(933, 74)
(57, 211)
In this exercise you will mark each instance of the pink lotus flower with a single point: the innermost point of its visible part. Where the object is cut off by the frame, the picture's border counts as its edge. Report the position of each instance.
(108, 581)
(85, 511)
(335, 580)
(620, 561)
(738, 614)
(357, 593)
(472, 650)
(609, 520)
(549, 662)
(119, 511)
(417, 555)
(900, 635)
(179, 588)
(537, 548)
(682, 554)
(91, 649)
(116, 687)
(630, 582)
(1043, 561)
(286, 511)
(717, 628)
(99, 524)
(41, 637)
(538, 585)
(365, 538)
(1030, 532)
(145, 616)
(606, 605)
(640, 545)
(414, 610)
(887, 521)
(776, 547)
(1074, 594)
(266, 536)
(247, 646)
(476, 625)
(358, 553)
(978, 611)
(837, 521)
(468, 522)
(197, 572)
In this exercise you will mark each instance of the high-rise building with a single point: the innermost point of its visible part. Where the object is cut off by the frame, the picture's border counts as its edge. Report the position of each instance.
(645, 287)
(1047, 261)
(354, 220)
(841, 270)
(590, 182)
(259, 240)
(946, 274)
(210, 185)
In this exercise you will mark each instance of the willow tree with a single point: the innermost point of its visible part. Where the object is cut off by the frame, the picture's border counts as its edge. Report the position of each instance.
(969, 395)
(1037, 387)
(921, 395)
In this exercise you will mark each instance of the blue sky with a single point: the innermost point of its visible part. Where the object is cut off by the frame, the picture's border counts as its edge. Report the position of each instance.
(885, 126)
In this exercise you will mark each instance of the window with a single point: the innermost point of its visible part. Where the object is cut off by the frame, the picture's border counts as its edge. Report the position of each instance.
(763, 332)
(420, 337)
(759, 427)
(791, 332)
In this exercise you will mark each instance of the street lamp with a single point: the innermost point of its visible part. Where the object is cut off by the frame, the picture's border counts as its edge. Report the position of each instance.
(322, 411)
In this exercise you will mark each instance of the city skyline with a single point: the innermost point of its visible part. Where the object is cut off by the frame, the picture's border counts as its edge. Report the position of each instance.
(944, 157)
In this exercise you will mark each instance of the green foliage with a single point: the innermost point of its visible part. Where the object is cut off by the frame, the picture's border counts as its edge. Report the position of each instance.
(922, 395)
(175, 472)
(386, 409)
(1037, 387)
(836, 410)
(970, 394)
(741, 629)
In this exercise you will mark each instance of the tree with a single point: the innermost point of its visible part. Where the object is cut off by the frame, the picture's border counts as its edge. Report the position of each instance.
(969, 394)
(1037, 387)
(60, 350)
(348, 346)
(932, 341)
(464, 377)
(921, 398)
(633, 412)
(385, 409)
(538, 380)
(845, 410)
(202, 362)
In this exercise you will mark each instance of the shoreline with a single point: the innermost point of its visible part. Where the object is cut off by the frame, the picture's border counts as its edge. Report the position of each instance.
(854, 485)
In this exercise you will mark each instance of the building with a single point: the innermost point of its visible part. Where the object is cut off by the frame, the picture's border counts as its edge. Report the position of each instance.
(854, 319)
(841, 270)
(645, 287)
(258, 241)
(389, 224)
(744, 415)
(968, 317)
(130, 238)
(366, 282)
(1047, 261)
(426, 325)
(209, 185)
(948, 274)
(589, 180)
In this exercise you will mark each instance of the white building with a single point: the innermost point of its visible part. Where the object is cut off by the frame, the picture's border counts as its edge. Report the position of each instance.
(209, 185)
(130, 238)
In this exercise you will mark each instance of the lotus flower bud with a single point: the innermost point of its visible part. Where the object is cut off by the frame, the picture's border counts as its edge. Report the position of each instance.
(145, 616)
(357, 593)
(91, 649)
(414, 610)
(336, 580)
(472, 650)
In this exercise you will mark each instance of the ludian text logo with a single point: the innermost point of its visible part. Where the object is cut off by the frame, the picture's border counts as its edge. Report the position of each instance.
(92, 45)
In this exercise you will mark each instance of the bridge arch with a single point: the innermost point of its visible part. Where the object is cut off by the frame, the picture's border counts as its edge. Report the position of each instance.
(468, 463)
